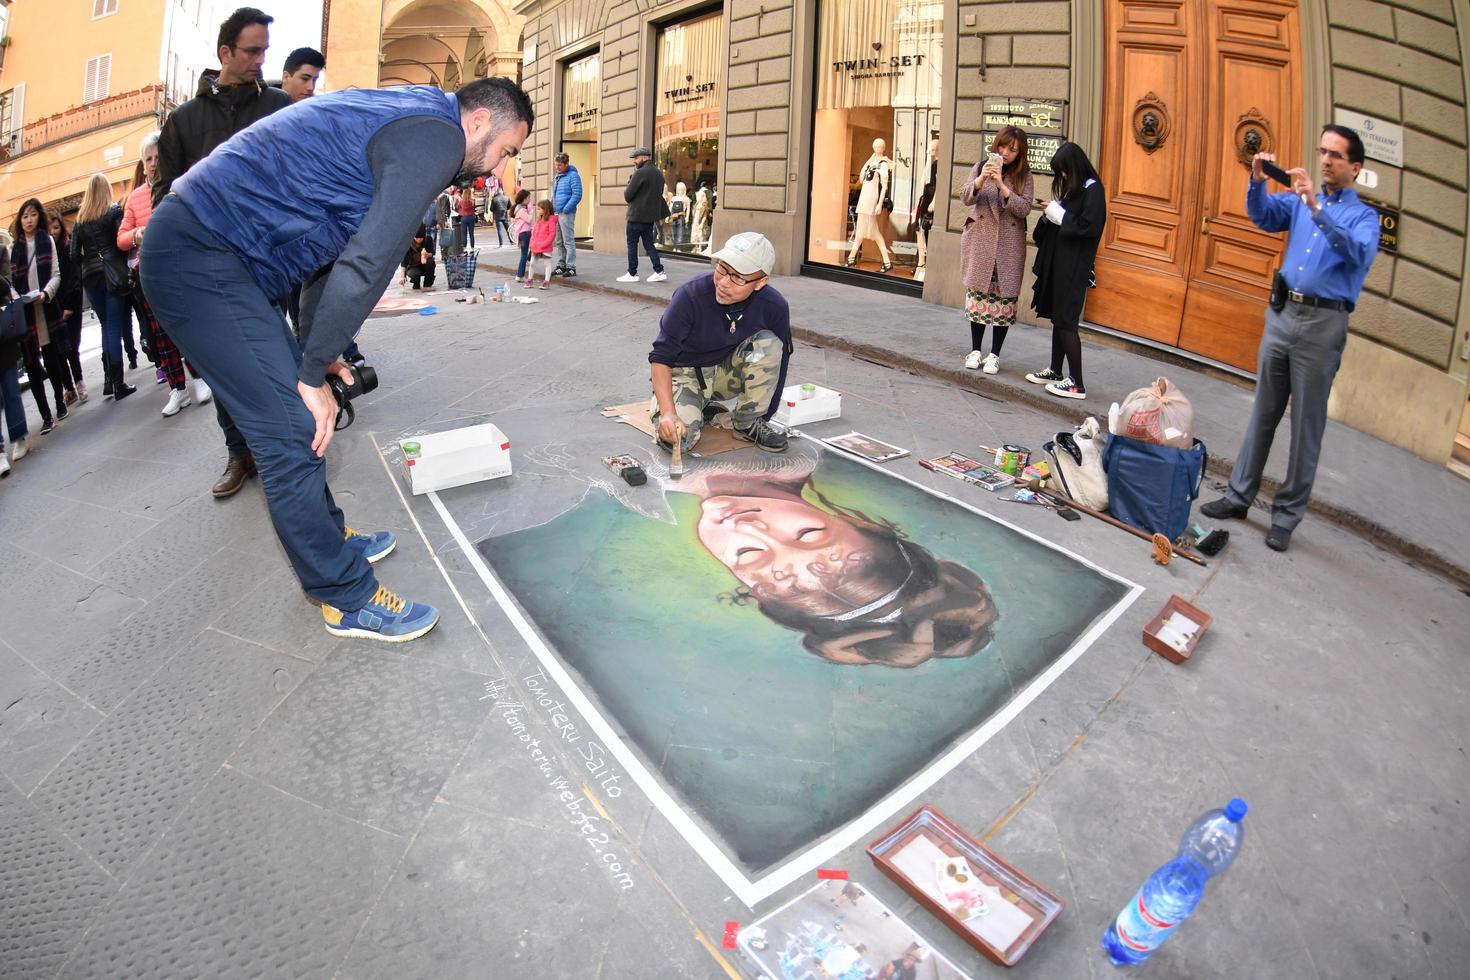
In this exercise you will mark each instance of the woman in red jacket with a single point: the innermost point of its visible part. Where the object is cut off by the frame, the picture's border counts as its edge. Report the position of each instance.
(136, 212)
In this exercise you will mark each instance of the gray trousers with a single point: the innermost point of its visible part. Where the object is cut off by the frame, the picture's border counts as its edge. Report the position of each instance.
(1300, 352)
(565, 248)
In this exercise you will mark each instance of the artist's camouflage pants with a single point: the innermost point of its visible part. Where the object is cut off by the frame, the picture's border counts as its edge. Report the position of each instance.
(748, 376)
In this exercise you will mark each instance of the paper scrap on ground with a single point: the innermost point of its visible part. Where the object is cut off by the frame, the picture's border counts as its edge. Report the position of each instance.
(712, 439)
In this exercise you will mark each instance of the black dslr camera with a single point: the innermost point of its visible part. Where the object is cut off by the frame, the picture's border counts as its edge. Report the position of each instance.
(364, 380)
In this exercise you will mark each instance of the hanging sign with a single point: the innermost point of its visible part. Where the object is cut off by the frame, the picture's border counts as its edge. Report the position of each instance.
(1044, 120)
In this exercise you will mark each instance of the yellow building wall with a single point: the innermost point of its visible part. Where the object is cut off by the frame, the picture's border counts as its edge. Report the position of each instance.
(51, 42)
(353, 43)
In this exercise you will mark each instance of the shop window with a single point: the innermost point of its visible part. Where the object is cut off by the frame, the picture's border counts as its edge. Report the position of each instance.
(581, 88)
(875, 134)
(686, 127)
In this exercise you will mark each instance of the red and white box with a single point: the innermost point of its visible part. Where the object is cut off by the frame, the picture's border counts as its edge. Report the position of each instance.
(456, 457)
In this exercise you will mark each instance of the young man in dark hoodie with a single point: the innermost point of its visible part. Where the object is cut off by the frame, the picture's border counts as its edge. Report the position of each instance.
(227, 102)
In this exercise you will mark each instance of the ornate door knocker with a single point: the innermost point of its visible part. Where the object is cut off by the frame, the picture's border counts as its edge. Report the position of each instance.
(1252, 135)
(1150, 122)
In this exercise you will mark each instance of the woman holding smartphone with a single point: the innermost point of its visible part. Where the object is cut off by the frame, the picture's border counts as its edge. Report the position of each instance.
(993, 245)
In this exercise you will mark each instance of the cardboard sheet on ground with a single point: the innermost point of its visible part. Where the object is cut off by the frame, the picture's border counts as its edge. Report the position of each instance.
(782, 650)
(713, 440)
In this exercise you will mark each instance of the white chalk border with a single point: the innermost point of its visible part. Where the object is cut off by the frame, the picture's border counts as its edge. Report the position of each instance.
(859, 828)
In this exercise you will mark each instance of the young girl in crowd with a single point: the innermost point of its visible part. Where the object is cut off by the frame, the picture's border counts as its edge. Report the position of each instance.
(70, 301)
(1066, 239)
(36, 276)
(993, 245)
(520, 227)
(94, 246)
(543, 237)
(171, 363)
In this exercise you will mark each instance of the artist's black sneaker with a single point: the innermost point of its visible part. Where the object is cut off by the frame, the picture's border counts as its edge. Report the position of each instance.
(765, 436)
(1046, 377)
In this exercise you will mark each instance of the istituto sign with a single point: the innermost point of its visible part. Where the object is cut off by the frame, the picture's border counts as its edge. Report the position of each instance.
(1044, 120)
(1382, 140)
(1388, 228)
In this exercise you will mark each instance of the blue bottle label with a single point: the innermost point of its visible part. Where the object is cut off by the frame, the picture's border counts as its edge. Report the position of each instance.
(1139, 929)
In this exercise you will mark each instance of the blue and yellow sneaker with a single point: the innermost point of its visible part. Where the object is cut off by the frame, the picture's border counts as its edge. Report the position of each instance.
(375, 546)
(386, 617)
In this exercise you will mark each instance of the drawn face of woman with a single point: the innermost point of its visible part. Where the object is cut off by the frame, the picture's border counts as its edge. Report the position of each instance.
(776, 545)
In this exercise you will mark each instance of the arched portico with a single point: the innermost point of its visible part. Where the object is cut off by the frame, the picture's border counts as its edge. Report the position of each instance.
(448, 42)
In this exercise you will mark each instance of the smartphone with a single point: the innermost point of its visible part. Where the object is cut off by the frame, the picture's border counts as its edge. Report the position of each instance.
(1275, 173)
(996, 158)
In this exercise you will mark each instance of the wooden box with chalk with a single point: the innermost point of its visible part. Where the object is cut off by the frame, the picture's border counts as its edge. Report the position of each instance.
(441, 460)
(1175, 630)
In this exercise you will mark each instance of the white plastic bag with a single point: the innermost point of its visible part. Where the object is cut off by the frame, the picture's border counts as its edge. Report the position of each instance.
(1077, 458)
(1159, 414)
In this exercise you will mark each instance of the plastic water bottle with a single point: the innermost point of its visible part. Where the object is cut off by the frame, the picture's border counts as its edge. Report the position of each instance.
(1172, 892)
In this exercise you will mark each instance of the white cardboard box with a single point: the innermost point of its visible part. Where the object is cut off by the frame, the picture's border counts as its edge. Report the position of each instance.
(456, 457)
(823, 405)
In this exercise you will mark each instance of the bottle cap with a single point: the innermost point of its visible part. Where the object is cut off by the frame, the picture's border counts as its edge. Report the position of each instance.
(1235, 809)
(412, 448)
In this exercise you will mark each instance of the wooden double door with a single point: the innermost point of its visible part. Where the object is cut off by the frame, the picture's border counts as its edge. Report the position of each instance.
(1194, 89)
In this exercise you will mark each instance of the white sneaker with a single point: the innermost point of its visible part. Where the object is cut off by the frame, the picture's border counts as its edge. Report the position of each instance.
(627, 277)
(1065, 388)
(4, 466)
(18, 449)
(177, 399)
(972, 362)
(991, 365)
(656, 277)
(202, 394)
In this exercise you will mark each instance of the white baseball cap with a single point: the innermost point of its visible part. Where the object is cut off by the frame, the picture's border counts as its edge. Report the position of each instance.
(748, 253)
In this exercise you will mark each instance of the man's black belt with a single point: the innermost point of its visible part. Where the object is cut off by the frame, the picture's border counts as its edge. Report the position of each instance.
(1325, 304)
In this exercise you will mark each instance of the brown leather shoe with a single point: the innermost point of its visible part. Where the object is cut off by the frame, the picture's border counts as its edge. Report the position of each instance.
(237, 471)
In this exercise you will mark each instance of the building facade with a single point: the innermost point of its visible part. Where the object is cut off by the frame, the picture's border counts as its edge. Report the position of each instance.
(843, 130)
(82, 81)
(375, 43)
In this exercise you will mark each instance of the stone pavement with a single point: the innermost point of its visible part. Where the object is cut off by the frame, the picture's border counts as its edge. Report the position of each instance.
(197, 781)
(1390, 496)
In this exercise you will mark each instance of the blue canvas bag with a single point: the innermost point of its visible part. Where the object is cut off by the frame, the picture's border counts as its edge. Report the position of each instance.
(1152, 487)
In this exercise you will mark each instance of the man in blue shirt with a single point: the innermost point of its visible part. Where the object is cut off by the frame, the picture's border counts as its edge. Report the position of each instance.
(726, 336)
(1332, 239)
(328, 191)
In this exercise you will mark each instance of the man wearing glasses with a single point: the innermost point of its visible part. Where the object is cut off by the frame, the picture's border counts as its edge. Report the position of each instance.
(726, 336)
(1331, 242)
(228, 101)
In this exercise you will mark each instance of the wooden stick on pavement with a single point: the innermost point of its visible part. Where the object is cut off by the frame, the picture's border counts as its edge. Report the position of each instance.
(1067, 501)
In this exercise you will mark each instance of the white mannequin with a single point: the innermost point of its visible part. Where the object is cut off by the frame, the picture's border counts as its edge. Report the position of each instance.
(877, 174)
(701, 214)
(679, 214)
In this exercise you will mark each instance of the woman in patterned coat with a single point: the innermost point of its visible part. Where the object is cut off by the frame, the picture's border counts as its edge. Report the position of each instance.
(993, 245)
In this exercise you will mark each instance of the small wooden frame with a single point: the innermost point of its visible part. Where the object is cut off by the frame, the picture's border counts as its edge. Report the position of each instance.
(907, 853)
(1176, 604)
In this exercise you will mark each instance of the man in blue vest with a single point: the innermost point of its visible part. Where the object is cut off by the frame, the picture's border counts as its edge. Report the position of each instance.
(339, 180)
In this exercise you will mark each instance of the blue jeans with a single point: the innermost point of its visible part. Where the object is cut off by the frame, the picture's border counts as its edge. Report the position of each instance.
(10, 403)
(642, 231)
(525, 254)
(467, 225)
(502, 232)
(236, 337)
(565, 250)
(113, 312)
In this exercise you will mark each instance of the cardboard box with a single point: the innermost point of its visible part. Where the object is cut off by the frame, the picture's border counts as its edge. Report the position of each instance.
(795, 410)
(456, 457)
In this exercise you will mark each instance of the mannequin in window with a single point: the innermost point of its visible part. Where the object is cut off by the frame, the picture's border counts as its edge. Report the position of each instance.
(876, 177)
(703, 213)
(679, 208)
(924, 210)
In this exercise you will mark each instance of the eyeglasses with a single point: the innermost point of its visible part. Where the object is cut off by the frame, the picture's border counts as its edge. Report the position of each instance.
(253, 52)
(725, 272)
(1323, 151)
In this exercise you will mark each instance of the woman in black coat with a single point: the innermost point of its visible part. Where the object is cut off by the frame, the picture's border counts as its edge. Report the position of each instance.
(1066, 238)
(70, 300)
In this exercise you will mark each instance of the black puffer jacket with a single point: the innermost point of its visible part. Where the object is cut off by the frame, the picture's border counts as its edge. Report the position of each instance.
(215, 114)
(94, 242)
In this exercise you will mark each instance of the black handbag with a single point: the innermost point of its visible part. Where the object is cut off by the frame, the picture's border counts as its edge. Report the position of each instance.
(13, 324)
(119, 279)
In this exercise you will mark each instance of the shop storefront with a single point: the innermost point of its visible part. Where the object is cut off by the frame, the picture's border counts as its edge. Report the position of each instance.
(686, 128)
(876, 131)
(581, 84)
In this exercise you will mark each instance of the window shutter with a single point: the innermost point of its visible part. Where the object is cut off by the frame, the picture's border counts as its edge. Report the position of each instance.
(101, 8)
(98, 79)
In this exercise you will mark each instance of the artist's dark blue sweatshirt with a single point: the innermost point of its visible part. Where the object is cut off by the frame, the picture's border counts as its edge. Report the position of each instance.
(696, 330)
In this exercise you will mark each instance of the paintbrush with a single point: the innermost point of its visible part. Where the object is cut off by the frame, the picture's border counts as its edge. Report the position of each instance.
(676, 467)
